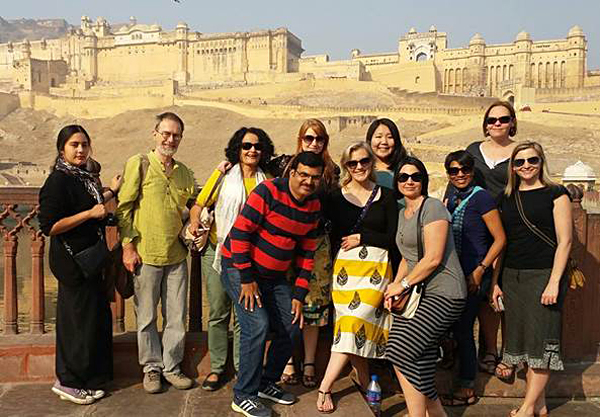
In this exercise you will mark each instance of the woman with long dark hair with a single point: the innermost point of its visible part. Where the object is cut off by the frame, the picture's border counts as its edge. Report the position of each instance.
(249, 151)
(537, 217)
(385, 141)
(72, 213)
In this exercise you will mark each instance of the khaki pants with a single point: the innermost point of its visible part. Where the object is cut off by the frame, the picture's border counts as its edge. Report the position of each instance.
(219, 316)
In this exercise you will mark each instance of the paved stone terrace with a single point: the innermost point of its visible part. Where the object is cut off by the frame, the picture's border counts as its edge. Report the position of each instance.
(127, 398)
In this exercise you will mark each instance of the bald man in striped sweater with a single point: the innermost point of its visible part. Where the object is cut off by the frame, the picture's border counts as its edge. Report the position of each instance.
(275, 231)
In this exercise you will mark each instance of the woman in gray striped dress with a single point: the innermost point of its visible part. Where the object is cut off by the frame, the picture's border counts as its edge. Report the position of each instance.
(412, 344)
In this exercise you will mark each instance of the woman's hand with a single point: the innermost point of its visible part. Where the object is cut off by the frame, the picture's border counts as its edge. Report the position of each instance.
(224, 166)
(350, 242)
(115, 183)
(496, 292)
(393, 289)
(97, 212)
(474, 280)
(297, 315)
(248, 295)
(550, 294)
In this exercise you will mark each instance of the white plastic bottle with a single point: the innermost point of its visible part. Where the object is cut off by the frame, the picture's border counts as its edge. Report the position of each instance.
(374, 396)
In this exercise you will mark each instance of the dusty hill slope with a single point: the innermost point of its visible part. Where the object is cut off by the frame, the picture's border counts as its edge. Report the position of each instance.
(27, 135)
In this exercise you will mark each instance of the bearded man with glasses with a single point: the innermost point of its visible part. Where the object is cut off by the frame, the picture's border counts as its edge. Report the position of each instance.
(156, 189)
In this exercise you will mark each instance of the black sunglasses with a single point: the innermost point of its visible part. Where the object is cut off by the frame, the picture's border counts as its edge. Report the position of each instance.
(534, 160)
(308, 139)
(502, 119)
(416, 177)
(249, 145)
(363, 162)
(454, 170)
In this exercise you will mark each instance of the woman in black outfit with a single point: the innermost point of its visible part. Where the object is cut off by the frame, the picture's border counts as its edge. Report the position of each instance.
(71, 213)
(491, 172)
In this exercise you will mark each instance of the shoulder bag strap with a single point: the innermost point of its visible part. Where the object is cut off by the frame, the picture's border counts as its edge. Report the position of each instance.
(365, 209)
(420, 250)
(534, 229)
(216, 186)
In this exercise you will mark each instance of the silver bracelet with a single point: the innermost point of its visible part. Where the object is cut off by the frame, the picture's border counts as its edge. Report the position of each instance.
(405, 284)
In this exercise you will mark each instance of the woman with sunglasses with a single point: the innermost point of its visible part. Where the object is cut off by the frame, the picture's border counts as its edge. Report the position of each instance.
(413, 343)
(384, 138)
(364, 217)
(537, 217)
(249, 151)
(491, 168)
(313, 137)
(73, 214)
(479, 239)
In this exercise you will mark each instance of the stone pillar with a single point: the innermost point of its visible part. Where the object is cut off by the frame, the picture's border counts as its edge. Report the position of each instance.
(182, 74)
(37, 283)
(10, 283)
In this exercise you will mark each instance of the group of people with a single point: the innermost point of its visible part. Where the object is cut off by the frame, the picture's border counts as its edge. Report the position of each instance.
(296, 242)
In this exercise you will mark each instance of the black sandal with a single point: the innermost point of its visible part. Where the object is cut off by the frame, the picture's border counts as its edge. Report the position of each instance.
(502, 367)
(289, 379)
(309, 381)
(320, 404)
(211, 385)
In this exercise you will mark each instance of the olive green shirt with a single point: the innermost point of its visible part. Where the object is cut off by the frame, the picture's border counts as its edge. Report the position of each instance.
(152, 219)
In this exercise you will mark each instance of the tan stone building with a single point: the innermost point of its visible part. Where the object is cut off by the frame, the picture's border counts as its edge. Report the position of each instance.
(134, 53)
(98, 54)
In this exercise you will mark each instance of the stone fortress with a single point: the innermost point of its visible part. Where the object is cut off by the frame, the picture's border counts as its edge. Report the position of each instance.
(97, 54)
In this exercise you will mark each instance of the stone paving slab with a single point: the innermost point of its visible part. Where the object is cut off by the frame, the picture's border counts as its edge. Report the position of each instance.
(128, 399)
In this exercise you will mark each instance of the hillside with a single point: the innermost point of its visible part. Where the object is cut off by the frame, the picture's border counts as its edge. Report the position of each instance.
(27, 135)
(32, 29)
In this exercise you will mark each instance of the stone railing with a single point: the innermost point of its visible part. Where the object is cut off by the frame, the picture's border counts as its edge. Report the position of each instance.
(18, 212)
(19, 208)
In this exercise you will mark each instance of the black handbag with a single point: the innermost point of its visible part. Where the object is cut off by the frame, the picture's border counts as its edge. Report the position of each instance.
(90, 260)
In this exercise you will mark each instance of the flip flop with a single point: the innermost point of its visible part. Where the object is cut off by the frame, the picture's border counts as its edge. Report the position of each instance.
(320, 404)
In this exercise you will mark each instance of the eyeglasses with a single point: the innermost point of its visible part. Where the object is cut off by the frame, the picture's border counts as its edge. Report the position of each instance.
(502, 119)
(166, 135)
(354, 164)
(304, 176)
(416, 177)
(249, 145)
(455, 170)
(309, 139)
(534, 160)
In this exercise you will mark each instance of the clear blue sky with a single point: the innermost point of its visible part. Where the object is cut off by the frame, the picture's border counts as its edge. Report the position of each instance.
(337, 26)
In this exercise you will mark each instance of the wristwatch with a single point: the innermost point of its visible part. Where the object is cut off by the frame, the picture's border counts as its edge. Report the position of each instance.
(405, 284)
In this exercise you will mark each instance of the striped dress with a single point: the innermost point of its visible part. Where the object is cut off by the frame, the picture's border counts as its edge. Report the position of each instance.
(413, 343)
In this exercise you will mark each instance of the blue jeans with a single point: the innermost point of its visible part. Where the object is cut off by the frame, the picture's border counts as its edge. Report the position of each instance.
(463, 333)
(275, 316)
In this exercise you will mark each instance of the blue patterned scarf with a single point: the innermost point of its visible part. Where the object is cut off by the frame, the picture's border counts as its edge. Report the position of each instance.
(458, 211)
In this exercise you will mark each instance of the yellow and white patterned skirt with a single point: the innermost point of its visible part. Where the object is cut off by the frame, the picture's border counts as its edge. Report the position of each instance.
(360, 277)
